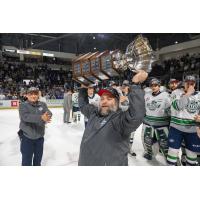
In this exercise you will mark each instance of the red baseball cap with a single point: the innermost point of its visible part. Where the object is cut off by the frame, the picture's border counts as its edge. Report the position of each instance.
(110, 91)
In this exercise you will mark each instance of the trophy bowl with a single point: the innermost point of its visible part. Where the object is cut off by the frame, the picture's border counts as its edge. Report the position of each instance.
(138, 55)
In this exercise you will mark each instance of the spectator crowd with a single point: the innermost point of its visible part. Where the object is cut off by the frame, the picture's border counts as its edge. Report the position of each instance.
(13, 76)
(16, 77)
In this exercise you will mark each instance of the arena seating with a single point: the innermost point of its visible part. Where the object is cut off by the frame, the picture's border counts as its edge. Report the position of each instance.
(52, 82)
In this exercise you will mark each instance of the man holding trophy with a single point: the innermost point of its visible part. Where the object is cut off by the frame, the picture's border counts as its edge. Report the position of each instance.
(106, 138)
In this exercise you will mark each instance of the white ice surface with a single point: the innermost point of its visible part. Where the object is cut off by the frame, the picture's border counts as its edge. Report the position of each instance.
(62, 142)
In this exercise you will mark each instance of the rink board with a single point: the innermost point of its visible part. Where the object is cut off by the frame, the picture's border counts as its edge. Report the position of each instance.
(14, 104)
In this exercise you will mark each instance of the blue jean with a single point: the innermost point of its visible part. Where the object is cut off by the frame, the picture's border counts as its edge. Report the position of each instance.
(32, 151)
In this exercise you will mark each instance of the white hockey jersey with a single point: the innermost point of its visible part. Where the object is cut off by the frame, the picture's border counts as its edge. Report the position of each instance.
(147, 90)
(95, 99)
(183, 110)
(124, 105)
(75, 99)
(176, 93)
(119, 91)
(157, 109)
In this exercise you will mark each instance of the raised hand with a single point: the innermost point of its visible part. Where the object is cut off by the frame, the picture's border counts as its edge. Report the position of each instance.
(140, 77)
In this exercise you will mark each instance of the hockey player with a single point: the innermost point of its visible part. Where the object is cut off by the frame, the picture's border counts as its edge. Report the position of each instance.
(124, 98)
(175, 90)
(184, 107)
(93, 98)
(124, 104)
(173, 85)
(156, 120)
(113, 84)
(75, 107)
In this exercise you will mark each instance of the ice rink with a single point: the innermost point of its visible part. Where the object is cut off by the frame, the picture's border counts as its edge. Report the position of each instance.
(62, 142)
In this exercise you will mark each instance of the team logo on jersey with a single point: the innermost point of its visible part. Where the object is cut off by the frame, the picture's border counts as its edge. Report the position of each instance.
(147, 99)
(173, 96)
(75, 98)
(171, 140)
(153, 105)
(193, 106)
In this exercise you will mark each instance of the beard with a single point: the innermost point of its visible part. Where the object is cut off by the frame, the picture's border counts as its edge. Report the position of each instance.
(106, 111)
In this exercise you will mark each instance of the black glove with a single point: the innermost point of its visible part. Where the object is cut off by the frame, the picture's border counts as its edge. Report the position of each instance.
(20, 134)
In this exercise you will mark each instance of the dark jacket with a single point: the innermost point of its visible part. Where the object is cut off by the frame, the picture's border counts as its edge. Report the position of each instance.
(106, 139)
(31, 123)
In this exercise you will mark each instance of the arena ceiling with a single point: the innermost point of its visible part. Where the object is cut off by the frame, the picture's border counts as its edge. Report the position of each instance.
(86, 42)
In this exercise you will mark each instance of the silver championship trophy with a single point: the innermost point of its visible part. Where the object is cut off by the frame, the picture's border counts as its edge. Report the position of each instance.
(93, 67)
(139, 55)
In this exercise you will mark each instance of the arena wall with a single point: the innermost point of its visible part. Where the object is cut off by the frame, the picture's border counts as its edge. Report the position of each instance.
(14, 104)
(178, 50)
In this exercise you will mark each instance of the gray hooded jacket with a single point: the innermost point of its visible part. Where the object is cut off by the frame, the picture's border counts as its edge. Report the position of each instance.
(31, 123)
(106, 138)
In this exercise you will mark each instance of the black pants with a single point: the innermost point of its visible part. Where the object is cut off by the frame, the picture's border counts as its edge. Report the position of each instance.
(32, 151)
